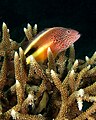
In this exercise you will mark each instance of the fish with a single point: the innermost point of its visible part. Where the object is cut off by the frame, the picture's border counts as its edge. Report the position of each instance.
(57, 38)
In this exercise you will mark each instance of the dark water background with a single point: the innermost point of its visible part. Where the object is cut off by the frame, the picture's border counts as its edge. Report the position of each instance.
(76, 14)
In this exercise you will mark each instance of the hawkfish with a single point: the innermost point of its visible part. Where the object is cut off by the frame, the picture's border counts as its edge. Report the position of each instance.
(57, 38)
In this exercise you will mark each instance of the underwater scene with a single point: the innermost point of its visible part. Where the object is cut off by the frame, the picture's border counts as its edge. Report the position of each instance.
(47, 60)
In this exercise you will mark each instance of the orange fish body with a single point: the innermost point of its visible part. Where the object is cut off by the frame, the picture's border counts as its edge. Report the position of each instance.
(57, 38)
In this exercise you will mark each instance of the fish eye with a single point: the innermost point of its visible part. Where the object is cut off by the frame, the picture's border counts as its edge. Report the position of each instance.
(68, 31)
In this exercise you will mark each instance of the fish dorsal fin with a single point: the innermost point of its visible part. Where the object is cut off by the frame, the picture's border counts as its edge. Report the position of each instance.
(35, 41)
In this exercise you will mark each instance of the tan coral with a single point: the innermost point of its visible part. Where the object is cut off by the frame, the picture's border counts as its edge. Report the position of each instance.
(53, 90)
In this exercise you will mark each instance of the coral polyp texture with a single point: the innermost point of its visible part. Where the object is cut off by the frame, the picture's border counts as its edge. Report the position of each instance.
(60, 88)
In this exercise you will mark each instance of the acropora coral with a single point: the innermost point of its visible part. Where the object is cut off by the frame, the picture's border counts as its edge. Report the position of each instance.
(61, 88)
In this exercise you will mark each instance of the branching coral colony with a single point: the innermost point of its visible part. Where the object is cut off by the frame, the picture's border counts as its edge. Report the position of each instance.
(58, 89)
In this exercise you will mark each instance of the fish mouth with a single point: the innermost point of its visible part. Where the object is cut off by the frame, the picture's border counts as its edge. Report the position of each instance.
(78, 36)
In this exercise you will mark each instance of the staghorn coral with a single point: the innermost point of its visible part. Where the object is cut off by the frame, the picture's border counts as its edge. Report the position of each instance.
(57, 89)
